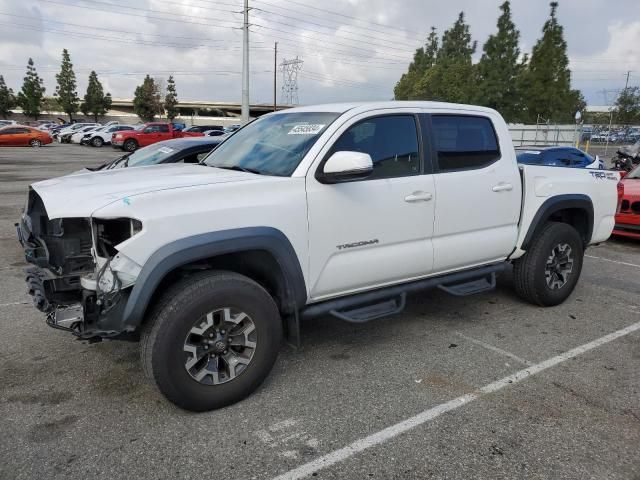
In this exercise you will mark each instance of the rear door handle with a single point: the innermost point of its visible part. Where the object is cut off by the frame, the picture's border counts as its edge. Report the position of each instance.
(418, 197)
(503, 187)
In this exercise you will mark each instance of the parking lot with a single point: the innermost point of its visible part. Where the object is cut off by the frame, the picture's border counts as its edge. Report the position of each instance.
(475, 387)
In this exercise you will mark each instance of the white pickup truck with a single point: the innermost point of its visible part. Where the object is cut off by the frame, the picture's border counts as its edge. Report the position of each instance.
(335, 209)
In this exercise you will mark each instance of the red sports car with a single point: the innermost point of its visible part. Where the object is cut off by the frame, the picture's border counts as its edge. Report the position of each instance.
(628, 214)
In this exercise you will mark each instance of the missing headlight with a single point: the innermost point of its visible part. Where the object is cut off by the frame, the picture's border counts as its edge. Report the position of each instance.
(111, 232)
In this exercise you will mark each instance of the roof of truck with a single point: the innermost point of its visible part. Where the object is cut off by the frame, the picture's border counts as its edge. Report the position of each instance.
(343, 107)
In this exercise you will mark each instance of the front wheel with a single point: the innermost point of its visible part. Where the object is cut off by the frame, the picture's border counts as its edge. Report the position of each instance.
(97, 141)
(35, 143)
(547, 274)
(212, 340)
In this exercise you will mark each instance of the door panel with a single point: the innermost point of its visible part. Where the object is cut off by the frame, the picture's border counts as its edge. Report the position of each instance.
(372, 232)
(478, 193)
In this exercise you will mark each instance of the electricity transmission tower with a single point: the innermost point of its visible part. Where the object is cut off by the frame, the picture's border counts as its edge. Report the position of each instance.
(290, 69)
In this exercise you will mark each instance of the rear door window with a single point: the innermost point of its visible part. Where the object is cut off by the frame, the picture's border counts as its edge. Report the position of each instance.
(464, 142)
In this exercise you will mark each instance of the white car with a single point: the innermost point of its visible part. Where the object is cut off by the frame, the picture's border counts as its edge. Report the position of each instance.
(101, 137)
(81, 132)
(322, 210)
(71, 129)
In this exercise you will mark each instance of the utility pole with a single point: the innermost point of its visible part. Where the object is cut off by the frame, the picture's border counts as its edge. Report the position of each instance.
(244, 112)
(275, 74)
(626, 85)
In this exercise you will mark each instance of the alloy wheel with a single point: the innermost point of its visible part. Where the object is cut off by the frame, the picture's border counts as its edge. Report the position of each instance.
(559, 266)
(220, 346)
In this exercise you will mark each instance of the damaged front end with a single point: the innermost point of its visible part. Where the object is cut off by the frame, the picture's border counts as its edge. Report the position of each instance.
(78, 278)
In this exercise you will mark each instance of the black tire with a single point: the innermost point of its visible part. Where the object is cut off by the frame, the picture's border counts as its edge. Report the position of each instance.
(535, 280)
(130, 145)
(97, 141)
(35, 143)
(164, 336)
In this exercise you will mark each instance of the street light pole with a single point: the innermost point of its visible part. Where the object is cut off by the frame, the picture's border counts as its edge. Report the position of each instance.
(275, 74)
(244, 112)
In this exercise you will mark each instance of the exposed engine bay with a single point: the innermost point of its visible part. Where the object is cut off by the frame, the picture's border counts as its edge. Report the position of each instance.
(79, 278)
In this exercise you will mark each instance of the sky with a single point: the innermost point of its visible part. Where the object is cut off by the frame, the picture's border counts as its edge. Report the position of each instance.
(351, 50)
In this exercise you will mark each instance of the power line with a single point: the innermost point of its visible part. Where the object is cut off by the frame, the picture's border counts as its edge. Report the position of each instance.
(342, 15)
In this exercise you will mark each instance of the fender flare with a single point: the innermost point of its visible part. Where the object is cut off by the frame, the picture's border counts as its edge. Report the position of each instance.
(555, 204)
(199, 247)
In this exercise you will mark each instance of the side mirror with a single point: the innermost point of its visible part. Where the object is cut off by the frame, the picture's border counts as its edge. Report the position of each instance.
(346, 167)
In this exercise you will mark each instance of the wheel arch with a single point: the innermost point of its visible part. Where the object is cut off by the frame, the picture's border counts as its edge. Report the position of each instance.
(263, 254)
(573, 209)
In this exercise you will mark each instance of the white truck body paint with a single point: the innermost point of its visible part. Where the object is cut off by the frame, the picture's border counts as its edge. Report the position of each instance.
(463, 219)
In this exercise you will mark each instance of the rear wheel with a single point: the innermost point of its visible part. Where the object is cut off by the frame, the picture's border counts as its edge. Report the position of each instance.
(34, 142)
(212, 340)
(97, 141)
(547, 274)
(130, 145)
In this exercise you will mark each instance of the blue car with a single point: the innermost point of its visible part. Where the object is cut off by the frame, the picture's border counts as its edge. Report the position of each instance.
(558, 157)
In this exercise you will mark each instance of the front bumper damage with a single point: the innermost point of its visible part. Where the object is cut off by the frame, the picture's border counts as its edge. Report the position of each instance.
(79, 290)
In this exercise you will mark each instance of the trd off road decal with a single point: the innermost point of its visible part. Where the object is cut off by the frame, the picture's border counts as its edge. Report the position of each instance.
(600, 175)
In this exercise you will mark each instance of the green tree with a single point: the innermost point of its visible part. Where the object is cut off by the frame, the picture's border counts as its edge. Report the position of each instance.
(145, 99)
(7, 99)
(546, 80)
(66, 93)
(31, 95)
(451, 78)
(171, 99)
(627, 107)
(423, 60)
(96, 102)
(499, 69)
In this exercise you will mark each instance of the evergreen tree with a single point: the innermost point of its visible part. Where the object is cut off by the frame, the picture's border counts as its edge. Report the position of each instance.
(627, 108)
(546, 80)
(31, 95)
(498, 69)
(145, 99)
(171, 99)
(451, 78)
(66, 93)
(7, 99)
(95, 102)
(423, 60)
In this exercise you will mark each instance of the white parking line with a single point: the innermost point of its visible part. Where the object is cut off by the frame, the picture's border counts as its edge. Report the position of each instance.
(488, 346)
(614, 261)
(14, 303)
(399, 428)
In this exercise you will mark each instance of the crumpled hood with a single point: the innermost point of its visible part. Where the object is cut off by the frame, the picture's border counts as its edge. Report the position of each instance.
(81, 194)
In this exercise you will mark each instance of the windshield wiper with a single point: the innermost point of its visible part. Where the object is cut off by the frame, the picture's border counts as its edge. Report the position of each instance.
(241, 169)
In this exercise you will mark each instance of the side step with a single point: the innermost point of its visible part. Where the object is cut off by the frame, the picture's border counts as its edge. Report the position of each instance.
(471, 287)
(372, 312)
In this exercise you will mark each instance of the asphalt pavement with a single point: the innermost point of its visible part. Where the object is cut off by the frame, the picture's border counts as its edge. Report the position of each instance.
(483, 387)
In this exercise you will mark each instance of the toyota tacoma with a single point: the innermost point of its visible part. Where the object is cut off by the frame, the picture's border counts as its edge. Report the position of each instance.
(328, 210)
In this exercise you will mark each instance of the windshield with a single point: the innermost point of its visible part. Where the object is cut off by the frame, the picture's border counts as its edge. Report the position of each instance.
(273, 144)
(635, 174)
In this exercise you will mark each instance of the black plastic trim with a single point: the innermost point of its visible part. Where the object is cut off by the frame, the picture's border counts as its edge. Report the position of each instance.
(207, 245)
(344, 303)
(555, 204)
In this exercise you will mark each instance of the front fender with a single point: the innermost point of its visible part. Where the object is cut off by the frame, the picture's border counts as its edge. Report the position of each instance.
(199, 247)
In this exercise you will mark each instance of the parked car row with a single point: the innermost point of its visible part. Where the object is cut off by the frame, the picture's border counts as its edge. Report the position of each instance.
(617, 135)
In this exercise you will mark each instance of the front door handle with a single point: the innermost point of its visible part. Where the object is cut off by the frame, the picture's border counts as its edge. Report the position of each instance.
(418, 197)
(503, 187)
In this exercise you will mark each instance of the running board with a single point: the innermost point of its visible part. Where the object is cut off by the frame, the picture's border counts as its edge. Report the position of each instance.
(362, 307)
(372, 312)
(471, 287)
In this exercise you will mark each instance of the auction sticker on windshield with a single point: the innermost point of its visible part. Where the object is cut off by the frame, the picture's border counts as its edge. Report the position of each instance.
(313, 129)
(165, 150)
